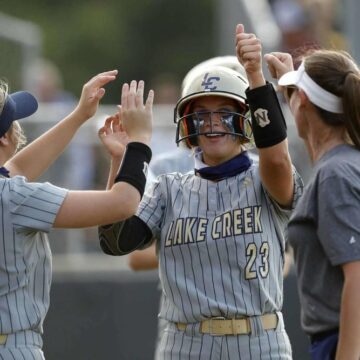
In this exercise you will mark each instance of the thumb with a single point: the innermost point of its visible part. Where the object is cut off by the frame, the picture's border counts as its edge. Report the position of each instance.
(100, 93)
(274, 65)
(239, 28)
(272, 60)
(101, 133)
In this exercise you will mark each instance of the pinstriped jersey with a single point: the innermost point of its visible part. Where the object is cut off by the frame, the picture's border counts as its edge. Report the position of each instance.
(221, 244)
(28, 211)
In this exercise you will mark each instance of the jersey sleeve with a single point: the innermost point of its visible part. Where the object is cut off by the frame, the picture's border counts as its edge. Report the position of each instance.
(34, 205)
(152, 205)
(338, 219)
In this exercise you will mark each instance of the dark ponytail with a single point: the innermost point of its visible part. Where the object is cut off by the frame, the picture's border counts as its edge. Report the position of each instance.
(351, 104)
(337, 72)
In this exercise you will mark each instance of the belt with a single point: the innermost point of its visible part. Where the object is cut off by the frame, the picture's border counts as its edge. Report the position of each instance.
(3, 339)
(222, 326)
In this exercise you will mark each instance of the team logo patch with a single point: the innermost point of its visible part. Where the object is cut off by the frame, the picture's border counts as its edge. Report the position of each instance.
(209, 82)
(145, 168)
(261, 117)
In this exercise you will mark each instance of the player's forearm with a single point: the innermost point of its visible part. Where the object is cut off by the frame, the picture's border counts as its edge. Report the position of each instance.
(276, 172)
(91, 208)
(256, 79)
(114, 169)
(270, 136)
(349, 345)
(36, 157)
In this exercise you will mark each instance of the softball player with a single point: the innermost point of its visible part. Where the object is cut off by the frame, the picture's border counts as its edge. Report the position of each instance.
(29, 210)
(221, 227)
(324, 230)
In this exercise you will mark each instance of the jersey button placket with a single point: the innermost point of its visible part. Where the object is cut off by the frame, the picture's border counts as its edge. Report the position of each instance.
(212, 197)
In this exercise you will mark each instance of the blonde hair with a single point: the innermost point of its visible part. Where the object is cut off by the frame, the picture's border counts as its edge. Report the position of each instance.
(4, 89)
(16, 131)
(18, 135)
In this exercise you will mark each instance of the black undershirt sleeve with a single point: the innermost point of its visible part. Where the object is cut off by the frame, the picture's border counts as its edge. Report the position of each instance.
(123, 237)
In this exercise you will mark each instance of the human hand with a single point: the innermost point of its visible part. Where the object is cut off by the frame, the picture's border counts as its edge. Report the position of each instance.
(136, 116)
(92, 93)
(248, 52)
(279, 63)
(113, 136)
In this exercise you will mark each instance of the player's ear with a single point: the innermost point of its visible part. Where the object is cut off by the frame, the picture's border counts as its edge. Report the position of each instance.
(5, 139)
(304, 100)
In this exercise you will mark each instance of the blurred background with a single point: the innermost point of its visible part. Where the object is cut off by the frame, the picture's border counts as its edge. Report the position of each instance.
(100, 309)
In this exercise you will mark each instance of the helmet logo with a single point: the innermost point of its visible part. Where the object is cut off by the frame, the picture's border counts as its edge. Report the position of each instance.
(208, 82)
(261, 117)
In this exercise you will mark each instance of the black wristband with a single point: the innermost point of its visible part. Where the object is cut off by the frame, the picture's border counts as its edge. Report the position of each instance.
(134, 165)
(268, 123)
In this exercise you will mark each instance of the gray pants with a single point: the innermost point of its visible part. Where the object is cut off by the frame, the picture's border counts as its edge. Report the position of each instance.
(23, 345)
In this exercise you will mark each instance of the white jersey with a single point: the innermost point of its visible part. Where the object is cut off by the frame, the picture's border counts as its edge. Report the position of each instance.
(221, 245)
(28, 211)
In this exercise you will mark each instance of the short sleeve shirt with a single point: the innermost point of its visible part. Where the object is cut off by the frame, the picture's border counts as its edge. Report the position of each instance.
(28, 211)
(324, 232)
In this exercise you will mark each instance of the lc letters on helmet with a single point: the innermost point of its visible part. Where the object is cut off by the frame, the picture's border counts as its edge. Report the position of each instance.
(212, 81)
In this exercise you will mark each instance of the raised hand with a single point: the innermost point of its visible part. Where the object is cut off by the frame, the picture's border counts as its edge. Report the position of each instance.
(248, 52)
(279, 63)
(248, 49)
(136, 116)
(113, 137)
(91, 94)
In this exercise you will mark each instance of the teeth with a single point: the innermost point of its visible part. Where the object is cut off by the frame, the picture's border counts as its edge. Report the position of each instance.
(214, 135)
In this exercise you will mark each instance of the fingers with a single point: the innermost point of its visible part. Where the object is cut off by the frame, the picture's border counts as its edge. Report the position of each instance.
(149, 100)
(278, 63)
(248, 46)
(133, 96)
(116, 126)
(101, 79)
(121, 128)
(247, 43)
(273, 64)
(250, 50)
(107, 127)
(278, 59)
(124, 96)
(139, 98)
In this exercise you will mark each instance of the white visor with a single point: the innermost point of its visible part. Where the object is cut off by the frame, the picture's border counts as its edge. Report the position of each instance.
(316, 94)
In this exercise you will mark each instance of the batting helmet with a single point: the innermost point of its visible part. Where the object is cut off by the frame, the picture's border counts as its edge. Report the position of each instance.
(212, 81)
(229, 61)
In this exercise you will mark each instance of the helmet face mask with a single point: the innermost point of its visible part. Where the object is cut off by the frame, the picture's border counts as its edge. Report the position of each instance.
(213, 81)
(190, 126)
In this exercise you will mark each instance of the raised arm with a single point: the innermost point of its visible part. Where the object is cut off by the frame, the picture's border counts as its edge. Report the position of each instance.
(90, 208)
(268, 123)
(36, 157)
(115, 140)
(113, 134)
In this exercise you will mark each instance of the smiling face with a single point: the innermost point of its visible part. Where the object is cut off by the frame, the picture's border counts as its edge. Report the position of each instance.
(217, 148)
